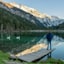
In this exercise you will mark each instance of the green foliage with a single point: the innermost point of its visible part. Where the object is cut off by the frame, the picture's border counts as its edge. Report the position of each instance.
(52, 61)
(13, 22)
(3, 56)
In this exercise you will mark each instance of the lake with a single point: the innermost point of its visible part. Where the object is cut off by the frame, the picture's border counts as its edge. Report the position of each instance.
(17, 43)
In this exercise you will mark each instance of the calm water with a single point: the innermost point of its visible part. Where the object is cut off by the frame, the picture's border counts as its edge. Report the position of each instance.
(18, 43)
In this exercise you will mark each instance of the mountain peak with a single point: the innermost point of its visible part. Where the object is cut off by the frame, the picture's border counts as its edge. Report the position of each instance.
(31, 10)
(31, 14)
(15, 4)
(8, 5)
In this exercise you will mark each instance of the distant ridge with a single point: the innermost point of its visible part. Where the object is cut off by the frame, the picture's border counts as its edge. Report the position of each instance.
(40, 20)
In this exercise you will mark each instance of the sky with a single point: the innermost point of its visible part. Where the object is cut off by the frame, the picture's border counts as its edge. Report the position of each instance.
(50, 7)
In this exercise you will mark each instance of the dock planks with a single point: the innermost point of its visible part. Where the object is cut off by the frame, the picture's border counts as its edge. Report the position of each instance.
(35, 55)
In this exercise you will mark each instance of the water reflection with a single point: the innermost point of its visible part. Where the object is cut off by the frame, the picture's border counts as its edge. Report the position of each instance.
(19, 43)
(49, 55)
(58, 43)
(59, 52)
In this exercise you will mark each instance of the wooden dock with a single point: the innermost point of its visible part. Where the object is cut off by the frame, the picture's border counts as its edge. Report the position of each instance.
(32, 54)
(35, 55)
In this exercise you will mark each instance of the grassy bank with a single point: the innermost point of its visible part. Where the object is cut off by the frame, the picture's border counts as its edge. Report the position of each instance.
(5, 56)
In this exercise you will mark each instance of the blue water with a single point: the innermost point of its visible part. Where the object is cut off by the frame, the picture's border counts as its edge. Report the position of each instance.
(59, 52)
(58, 44)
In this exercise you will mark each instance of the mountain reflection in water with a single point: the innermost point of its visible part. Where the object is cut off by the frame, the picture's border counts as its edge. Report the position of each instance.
(14, 45)
(58, 44)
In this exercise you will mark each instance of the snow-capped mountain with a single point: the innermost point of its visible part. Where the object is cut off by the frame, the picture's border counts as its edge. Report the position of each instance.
(31, 14)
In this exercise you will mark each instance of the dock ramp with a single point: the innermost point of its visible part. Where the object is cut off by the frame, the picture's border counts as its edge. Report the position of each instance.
(34, 56)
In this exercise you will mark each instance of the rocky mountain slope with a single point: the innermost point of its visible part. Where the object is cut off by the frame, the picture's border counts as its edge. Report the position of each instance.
(44, 19)
(13, 22)
(40, 20)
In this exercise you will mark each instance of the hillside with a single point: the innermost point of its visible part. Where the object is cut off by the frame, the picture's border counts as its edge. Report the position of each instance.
(20, 17)
(14, 22)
